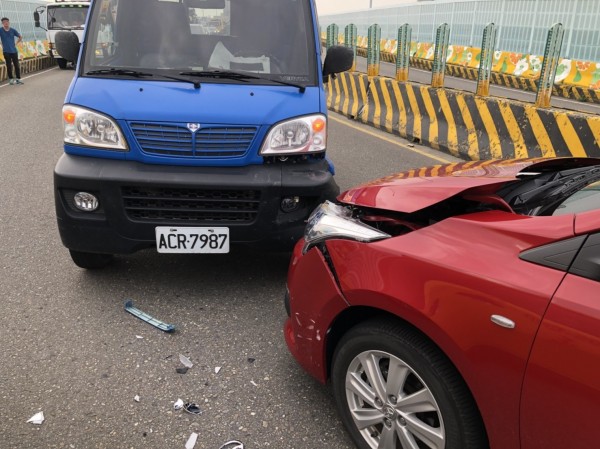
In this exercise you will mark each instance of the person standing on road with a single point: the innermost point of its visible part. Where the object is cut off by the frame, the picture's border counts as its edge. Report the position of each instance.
(9, 48)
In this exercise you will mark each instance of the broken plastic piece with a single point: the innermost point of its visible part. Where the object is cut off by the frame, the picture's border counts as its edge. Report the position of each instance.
(191, 442)
(136, 398)
(232, 445)
(147, 318)
(178, 404)
(38, 418)
(186, 362)
(217, 369)
(192, 408)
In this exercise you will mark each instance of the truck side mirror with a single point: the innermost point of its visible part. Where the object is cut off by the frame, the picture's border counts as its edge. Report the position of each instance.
(36, 19)
(67, 45)
(338, 59)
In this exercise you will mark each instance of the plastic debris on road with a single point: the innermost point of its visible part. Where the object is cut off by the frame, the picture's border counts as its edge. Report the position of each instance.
(147, 318)
(186, 362)
(191, 442)
(178, 404)
(192, 408)
(181, 370)
(136, 398)
(217, 369)
(235, 444)
(38, 418)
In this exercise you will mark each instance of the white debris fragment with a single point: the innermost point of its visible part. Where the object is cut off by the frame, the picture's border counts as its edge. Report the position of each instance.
(191, 442)
(136, 398)
(139, 336)
(178, 404)
(254, 383)
(186, 362)
(217, 369)
(38, 418)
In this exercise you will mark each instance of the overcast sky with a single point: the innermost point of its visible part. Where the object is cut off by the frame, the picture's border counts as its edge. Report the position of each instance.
(337, 6)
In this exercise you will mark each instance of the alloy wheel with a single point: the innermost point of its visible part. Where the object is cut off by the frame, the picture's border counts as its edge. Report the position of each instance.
(391, 405)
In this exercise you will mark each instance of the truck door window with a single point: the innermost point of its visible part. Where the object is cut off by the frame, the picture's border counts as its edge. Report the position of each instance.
(105, 36)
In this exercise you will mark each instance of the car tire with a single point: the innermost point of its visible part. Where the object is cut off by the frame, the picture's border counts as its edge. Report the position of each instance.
(62, 63)
(426, 403)
(90, 261)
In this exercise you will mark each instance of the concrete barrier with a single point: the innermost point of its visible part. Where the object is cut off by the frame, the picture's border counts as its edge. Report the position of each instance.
(477, 128)
(347, 94)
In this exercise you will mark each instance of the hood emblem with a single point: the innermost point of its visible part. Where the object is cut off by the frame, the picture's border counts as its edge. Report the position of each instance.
(193, 127)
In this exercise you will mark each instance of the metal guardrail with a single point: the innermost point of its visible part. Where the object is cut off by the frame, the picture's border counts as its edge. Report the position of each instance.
(544, 87)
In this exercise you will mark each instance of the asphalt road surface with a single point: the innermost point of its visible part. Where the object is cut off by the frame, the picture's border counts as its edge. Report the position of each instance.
(68, 348)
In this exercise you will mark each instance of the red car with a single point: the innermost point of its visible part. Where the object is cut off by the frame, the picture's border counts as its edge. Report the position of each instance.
(457, 307)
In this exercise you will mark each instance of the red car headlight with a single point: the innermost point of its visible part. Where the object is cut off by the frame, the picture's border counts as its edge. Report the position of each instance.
(333, 221)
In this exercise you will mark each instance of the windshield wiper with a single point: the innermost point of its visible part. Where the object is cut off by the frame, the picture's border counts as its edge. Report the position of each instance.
(138, 74)
(119, 72)
(225, 74)
(229, 74)
(559, 186)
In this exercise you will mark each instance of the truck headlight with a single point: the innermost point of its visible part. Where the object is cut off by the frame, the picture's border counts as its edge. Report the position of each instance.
(84, 127)
(301, 135)
(329, 221)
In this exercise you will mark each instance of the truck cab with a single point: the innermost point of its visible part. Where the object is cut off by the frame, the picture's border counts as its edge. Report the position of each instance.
(193, 126)
(62, 15)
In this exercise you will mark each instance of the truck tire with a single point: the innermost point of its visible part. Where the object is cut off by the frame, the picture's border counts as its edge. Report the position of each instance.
(62, 63)
(90, 261)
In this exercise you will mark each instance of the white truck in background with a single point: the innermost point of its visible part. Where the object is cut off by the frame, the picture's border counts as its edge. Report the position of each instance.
(62, 15)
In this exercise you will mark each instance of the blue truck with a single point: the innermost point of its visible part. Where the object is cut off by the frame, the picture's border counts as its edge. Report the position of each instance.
(191, 126)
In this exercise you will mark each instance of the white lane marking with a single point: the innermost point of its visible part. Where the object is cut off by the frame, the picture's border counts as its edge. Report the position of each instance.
(31, 76)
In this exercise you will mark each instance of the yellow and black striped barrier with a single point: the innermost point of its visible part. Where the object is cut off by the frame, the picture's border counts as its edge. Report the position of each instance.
(478, 128)
(577, 93)
(347, 94)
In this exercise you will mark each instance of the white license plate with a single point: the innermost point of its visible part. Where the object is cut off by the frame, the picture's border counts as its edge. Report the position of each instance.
(192, 240)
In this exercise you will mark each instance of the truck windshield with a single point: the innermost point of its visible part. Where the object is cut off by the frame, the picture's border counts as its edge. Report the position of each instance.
(271, 39)
(70, 17)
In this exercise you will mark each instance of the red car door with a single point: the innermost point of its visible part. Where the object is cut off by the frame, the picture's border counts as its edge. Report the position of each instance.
(560, 406)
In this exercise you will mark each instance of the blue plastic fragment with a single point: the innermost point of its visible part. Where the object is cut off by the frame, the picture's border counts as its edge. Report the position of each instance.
(147, 318)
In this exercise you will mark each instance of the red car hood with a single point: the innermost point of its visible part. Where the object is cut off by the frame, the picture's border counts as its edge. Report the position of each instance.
(414, 190)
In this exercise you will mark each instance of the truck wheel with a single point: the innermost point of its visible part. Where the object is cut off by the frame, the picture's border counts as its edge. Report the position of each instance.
(62, 63)
(90, 261)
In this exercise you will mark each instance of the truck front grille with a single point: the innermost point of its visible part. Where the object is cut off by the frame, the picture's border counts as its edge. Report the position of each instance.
(181, 205)
(210, 141)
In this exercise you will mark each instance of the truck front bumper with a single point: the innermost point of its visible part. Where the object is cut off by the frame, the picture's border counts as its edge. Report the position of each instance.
(135, 198)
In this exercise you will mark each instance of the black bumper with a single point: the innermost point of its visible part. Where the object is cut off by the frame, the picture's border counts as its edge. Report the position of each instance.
(135, 198)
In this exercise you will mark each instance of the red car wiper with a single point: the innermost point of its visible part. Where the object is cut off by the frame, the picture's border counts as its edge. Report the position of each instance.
(561, 185)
